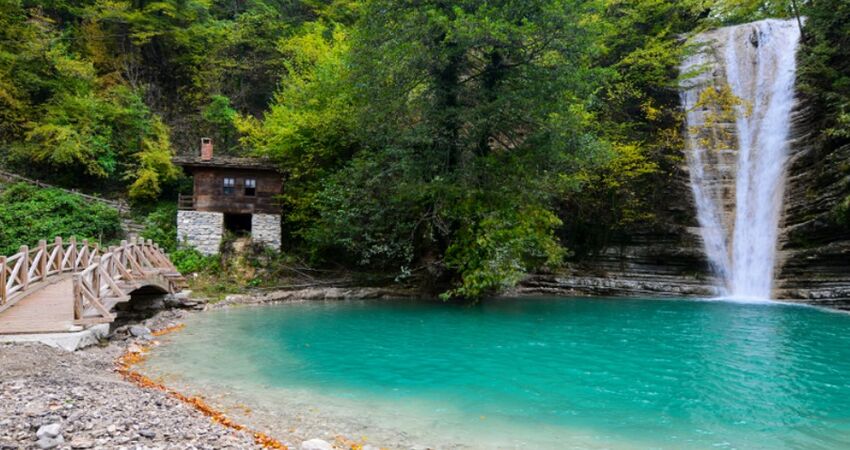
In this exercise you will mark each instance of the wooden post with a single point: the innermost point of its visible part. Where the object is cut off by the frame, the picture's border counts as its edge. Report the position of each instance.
(2, 280)
(95, 278)
(25, 269)
(73, 258)
(42, 262)
(60, 253)
(84, 249)
(78, 297)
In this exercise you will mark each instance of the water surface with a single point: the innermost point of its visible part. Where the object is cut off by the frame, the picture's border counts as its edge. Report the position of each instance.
(532, 373)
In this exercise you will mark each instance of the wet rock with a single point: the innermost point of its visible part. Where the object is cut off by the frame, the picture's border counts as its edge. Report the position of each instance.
(139, 331)
(814, 251)
(316, 444)
(49, 431)
(315, 293)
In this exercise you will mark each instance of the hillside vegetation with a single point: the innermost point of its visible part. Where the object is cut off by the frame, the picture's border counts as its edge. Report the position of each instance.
(464, 143)
(29, 214)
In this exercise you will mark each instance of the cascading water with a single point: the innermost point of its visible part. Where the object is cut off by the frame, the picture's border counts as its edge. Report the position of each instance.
(737, 167)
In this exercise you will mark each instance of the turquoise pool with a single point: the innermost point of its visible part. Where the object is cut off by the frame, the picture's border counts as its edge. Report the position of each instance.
(534, 373)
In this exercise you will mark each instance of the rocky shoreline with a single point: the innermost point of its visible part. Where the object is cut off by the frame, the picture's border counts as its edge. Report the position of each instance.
(91, 399)
(51, 398)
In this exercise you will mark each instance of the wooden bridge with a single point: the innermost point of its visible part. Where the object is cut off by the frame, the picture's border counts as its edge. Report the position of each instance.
(63, 286)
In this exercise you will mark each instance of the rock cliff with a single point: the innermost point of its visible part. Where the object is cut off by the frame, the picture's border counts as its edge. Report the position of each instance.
(664, 259)
(814, 250)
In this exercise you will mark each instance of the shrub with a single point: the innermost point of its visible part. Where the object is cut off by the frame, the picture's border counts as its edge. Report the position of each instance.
(29, 213)
(189, 260)
(161, 226)
(841, 212)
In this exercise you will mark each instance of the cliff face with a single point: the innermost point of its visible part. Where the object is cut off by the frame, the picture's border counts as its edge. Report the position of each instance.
(663, 260)
(814, 251)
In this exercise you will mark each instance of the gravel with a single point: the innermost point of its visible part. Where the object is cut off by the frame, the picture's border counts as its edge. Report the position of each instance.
(53, 399)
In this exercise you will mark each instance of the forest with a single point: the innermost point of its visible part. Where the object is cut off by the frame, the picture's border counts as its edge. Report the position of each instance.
(465, 143)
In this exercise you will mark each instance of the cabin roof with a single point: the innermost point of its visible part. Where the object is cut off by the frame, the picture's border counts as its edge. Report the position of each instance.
(224, 162)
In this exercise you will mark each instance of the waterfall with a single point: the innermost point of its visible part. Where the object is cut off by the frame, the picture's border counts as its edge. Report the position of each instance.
(737, 162)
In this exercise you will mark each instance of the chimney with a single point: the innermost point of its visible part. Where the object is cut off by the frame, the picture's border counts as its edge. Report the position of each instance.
(206, 149)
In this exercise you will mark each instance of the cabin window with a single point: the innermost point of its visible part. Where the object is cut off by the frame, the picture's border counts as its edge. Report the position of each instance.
(250, 187)
(229, 184)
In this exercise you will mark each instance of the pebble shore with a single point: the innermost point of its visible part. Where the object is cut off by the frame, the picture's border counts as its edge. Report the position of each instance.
(79, 402)
(50, 398)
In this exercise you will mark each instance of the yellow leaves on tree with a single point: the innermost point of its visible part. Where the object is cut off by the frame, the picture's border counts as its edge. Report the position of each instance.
(155, 165)
(720, 108)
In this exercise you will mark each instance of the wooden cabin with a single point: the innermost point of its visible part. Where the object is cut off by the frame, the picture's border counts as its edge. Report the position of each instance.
(229, 194)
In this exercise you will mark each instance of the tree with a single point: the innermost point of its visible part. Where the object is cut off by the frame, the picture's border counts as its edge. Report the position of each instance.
(471, 116)
(309, 129)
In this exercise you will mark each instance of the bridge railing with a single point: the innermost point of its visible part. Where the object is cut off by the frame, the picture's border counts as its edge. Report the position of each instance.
(22, 270)
(97, 276)
(110, 275)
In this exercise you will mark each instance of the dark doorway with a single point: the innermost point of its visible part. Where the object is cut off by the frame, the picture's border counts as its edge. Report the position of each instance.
(239, 224)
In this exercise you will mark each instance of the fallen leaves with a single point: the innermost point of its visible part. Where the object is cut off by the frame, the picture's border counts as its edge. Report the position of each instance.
(124, 366)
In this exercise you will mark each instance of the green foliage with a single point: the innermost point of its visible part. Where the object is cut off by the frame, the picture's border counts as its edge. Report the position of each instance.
(611, 199)
(66, 119)
(640, 49)
(825, 68)
(841, 212)
(739, 11)
(220, 115)
(498, 251)
(466, 142)
(189, 261)
(29, 214)
(309, 129)
(161, 226)
(461, 115)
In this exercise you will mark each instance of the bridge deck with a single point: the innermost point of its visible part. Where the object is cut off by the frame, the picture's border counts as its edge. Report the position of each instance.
(49, 309)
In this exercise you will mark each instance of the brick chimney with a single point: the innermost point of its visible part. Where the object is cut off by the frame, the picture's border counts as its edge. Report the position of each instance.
(206, 149)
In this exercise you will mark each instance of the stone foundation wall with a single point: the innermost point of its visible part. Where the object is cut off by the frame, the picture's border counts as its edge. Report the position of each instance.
(265, 228)
(201, 230)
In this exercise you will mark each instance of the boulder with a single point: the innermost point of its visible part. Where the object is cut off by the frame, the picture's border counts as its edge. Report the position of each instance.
(49, 431)
(139, 331)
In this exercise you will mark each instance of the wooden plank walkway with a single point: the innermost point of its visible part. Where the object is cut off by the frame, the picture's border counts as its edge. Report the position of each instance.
(50, 309)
